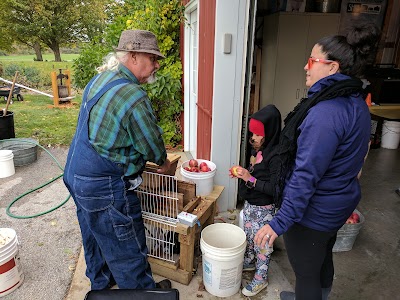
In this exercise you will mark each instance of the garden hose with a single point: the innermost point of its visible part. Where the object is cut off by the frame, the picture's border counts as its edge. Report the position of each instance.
(35, 189)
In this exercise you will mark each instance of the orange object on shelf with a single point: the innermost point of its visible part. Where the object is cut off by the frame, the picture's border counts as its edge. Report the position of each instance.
(368, 100)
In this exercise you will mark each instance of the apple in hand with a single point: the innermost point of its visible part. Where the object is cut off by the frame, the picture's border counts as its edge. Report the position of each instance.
(234, 170)
(193, 163)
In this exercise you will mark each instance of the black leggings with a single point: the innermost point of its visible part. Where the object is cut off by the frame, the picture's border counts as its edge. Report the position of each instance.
(310, 254)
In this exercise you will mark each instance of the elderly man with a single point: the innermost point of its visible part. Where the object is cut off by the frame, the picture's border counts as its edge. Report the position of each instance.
(116, 135)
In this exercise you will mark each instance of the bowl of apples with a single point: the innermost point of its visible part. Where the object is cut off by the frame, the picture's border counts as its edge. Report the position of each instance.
(347, 234)
(201, 172)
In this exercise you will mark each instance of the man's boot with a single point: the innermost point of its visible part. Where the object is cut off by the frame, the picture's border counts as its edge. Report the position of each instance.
(163, 284)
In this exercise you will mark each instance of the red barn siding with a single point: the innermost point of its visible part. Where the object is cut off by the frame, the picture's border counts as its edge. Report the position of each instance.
(205, 76)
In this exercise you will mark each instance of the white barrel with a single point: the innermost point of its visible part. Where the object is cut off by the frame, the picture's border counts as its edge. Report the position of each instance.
(204, 180)
(390, 134)
(223, 246)
(11, 275)
(6, 163)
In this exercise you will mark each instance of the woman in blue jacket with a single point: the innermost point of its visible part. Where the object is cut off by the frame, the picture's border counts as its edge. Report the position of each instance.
(322, 149)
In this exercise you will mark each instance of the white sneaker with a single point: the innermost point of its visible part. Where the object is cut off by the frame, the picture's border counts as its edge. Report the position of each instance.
(254, 287)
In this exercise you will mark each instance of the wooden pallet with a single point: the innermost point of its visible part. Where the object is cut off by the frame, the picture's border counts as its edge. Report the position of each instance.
(205, 209)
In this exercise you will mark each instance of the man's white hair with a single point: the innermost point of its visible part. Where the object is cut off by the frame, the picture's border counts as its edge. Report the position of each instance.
(112, 61)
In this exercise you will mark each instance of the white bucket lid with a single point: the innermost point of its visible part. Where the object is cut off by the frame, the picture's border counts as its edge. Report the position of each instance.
(7, 235)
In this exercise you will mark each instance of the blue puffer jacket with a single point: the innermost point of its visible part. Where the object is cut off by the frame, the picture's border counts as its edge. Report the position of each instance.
(323, 190)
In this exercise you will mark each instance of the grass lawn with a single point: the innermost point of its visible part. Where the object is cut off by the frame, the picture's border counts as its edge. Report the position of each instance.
(36, 117)
(44, 67)
(46, 57)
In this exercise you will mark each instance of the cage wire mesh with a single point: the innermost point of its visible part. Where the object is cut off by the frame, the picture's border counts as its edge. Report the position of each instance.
(158, 195)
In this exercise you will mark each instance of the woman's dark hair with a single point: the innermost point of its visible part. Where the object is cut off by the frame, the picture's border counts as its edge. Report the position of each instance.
(355, 51)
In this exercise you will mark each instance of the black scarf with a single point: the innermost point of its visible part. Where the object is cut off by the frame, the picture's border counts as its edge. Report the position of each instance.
(287, 147)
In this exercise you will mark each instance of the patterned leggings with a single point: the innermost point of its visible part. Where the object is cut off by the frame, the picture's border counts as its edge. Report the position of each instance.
(255, 217)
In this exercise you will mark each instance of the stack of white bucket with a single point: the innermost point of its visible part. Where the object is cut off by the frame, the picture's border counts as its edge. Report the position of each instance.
(390, 134)
(11, 275)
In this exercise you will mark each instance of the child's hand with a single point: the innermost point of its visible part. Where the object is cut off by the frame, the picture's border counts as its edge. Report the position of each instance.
(239, 172)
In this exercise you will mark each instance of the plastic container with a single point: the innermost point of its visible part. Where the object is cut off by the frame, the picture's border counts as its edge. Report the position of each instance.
(223, 246)
(24, 150)
(7, 125)
(241, 225)
(347, 235)
(390, 134)
(6, 163)
(204, 180)
(11, 275)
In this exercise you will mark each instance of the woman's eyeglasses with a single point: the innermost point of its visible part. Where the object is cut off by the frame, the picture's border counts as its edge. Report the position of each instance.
(312, 60)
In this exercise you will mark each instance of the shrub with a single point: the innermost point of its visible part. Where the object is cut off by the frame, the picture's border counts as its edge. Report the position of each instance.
(85, 65)
(29, 76)
(163, 18)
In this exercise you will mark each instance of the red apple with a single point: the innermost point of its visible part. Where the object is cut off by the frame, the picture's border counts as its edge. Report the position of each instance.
(203, 164)
(194, 169)
(204, 168)
(352, 221)
(193, 163)
(234, 170)
(187, 169)
(355, 217)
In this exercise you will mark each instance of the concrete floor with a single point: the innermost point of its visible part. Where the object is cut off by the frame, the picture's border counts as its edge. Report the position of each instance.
(371, 269)
(50, 244)
(368, 271)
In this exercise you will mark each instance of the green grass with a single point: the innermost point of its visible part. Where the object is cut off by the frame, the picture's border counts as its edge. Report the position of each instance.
(44, 67)
(36, 117)
(46, 57)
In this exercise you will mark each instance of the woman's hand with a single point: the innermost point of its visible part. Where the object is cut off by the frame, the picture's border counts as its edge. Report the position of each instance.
(265, 235)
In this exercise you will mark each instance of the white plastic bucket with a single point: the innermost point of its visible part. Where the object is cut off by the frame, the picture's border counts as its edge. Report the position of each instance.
(241, 221)
(204, 180)
(11, 275)
(390, 134)
(223, 246)
(6, 163)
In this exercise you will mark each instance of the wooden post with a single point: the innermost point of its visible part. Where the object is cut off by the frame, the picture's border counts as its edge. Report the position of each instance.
(68, 81)
(54, 85)
(10, 94)
(187, 250)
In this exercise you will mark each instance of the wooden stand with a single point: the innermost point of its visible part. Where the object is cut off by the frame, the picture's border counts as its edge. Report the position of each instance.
(205, 209)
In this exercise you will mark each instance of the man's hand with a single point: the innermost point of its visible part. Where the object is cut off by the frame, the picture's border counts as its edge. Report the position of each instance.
(165, 167)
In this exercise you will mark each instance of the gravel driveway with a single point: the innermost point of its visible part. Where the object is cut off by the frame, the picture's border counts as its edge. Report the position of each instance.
(49, 244)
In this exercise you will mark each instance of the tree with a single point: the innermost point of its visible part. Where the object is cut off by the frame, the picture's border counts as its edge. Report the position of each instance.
(53, 23)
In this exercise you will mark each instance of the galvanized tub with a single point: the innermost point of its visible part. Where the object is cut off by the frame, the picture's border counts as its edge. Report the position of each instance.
(347, 235)
(24, 150)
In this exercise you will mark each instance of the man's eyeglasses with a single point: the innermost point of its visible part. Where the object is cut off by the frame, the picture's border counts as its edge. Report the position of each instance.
(311, 61)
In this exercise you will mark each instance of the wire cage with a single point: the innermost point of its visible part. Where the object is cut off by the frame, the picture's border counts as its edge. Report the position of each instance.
(160, 207)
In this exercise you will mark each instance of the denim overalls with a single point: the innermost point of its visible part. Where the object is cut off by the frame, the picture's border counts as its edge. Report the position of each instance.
(109, 215)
